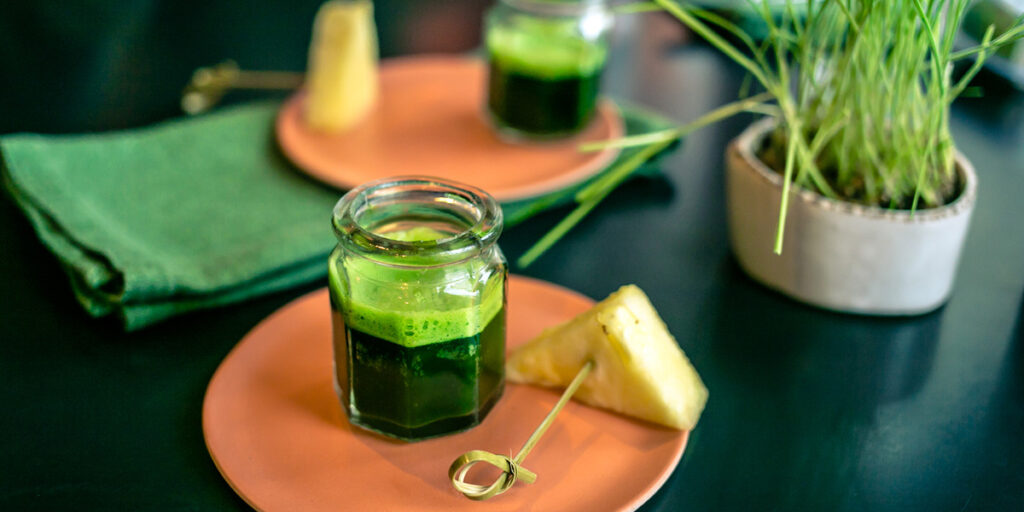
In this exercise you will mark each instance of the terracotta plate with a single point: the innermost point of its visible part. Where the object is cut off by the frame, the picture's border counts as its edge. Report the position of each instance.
(276, 430)
(430, 121)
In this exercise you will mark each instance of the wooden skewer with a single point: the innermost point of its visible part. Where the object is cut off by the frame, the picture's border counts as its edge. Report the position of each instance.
(511, 468)
(209, 84)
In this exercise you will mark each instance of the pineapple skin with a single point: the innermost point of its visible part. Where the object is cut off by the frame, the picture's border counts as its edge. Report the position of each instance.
(639, 369)
(341, 82)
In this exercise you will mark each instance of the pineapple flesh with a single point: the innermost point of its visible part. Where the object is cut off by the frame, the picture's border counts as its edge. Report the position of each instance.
(341, 82)
(639, 369)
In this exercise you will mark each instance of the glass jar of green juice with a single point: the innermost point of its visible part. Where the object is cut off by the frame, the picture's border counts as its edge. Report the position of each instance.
(545, 59)
(417, 287)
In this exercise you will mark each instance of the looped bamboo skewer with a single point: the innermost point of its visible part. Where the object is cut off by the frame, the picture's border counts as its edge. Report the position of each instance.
(512, 470)
(209, 84)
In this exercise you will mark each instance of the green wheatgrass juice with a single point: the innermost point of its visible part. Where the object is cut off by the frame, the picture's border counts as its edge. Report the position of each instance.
(543, 78)
(414, 364)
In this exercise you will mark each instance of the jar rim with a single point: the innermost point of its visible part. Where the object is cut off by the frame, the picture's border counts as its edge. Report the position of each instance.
(471, 240)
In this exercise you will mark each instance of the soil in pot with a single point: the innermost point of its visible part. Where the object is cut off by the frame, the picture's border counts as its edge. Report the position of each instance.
(772, 152)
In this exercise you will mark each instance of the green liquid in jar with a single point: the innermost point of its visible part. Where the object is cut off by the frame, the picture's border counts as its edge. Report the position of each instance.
(421, 372)
(543, 80)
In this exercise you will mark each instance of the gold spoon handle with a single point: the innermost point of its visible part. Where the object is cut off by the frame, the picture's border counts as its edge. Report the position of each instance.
(209, 84)
(511, 468)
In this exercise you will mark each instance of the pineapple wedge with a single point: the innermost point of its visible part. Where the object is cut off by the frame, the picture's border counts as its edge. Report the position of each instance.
(341, 82)
(639, 369)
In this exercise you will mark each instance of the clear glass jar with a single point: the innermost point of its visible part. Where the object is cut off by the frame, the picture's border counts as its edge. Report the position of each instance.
(417, 287)
(546, 59)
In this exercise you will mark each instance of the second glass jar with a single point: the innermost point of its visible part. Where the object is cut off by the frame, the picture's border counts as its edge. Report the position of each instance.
(545, 62)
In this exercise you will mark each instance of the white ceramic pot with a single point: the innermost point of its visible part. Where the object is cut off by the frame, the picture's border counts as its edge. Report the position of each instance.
(839, 255)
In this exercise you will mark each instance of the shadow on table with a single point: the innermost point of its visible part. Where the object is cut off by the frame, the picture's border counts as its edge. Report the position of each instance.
(770, 340)
(989, 444)
(1019, 341)
(795, 390)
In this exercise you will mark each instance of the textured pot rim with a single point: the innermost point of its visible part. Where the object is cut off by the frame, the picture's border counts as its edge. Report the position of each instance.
(744, 145)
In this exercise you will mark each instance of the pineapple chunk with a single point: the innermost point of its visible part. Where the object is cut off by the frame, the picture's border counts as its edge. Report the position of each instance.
(639, 369)
(341, 82)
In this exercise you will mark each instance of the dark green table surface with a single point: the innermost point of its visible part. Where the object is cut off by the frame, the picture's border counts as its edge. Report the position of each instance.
(808, 409)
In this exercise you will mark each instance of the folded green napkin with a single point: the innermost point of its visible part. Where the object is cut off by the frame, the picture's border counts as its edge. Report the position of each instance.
(188, 214)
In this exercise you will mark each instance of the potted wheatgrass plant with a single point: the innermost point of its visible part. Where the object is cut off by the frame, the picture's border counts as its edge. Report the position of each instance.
(854, 170)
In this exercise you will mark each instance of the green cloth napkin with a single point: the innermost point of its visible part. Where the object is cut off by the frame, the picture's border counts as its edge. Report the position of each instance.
(188, 214)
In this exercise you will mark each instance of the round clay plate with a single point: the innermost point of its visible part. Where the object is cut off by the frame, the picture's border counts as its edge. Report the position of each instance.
(277, 432)
(429, 120)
